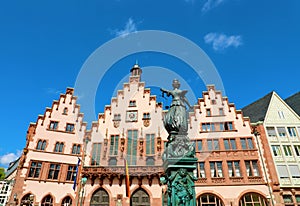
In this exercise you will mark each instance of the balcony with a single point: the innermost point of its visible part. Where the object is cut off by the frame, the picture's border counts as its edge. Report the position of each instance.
(296, 181)
(285, 181)
(279, 159)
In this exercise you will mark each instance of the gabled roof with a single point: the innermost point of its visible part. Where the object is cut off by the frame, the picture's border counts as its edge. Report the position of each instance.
(257, 110)
(294, 102)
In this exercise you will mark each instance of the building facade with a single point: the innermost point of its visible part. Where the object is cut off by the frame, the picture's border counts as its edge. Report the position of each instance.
(47, 167)
(279, 130)
(230, 169)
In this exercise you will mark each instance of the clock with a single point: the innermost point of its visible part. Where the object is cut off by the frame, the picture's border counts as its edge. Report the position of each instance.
(131, 116)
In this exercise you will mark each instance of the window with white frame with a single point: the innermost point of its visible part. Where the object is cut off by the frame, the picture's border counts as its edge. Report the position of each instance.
(201, 172)
(294, 170)
(276, 150)
(281, 131)
(287, 150)
(283, 172)
(292, 131)
(271, 131)
(297, 150)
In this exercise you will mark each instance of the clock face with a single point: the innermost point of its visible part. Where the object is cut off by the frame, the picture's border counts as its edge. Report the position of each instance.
(131, 116)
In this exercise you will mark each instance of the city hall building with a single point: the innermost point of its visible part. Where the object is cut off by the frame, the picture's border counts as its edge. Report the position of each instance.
(230, 170)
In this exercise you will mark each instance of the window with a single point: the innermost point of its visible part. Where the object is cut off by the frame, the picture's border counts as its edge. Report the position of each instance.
(216, 169)
(271, 132)
(96, 154)
(282, 171)
(114, 145)
(69, 127)
(100, 198)
(281, 114)
(132, 103)
(294, 170)
(297, 150)
(71, 174)
(287, 199)
(297, 197)
(281, 131)
(287, 150)
(276, 150)
(76, 149)
(41, 145)
(208, 112)
(247, 143)
(228, 126)
(59, 146)
(199, 145)
(112, 161)
(53, 125)
(252, 168)
(234, 168)
(140, 198)
(146, 115)
(47, 201)
(201, 172)
(213, 102)
(65, 111)
(117, 117)
(53, 171)
(209, 200)
(292, 131)
(150, 145)
(132, 146)
(35, 169)
(212, 144)
(253, 199)
(221, 111)
(229, 144)
(150, 161)
(67, 201)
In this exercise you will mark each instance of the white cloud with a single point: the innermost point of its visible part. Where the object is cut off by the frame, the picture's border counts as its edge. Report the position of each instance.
(210, 4)
(7, 158)
(130, 27)
(222, 41)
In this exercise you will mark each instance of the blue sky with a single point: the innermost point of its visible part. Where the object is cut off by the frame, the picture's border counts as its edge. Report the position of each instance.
(43, 45)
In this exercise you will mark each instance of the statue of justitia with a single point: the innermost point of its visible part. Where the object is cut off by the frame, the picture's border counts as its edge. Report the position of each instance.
(175, 120)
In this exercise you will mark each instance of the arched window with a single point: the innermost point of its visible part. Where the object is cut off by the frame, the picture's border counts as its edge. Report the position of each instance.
(27, 199)
(47, 201)
(59, 147)
(65, 110)
(100, 198)
(140, 198)
(39, 145)
(209, 200)
(44, 145)
(67, 201)
(253, 199)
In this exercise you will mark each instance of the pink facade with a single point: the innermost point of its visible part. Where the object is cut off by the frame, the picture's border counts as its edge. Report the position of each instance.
(230, 170)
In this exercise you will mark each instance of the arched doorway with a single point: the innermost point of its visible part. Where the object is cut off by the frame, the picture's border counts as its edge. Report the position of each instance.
(100, 198)
(209, 199)
(253, 199)
(140, 198)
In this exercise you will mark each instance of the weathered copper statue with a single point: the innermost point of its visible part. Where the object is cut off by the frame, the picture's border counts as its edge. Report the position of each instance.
(175, 121)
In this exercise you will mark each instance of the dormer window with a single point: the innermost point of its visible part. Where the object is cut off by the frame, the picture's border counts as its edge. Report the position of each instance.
(132, 103)
(53, 125)
(69, 127)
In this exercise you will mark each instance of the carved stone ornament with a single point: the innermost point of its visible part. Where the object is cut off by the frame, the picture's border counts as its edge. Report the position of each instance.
(116, 123)
(146, 122)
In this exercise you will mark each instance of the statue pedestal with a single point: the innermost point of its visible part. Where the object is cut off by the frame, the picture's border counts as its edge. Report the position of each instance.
(179, 177)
